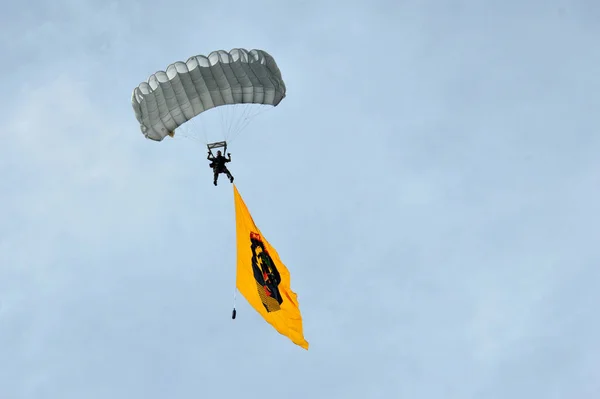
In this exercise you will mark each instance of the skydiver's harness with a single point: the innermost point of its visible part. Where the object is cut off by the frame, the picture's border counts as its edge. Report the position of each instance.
(212, 146)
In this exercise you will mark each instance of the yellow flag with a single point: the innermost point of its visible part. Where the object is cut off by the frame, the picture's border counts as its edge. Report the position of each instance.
(263, 279)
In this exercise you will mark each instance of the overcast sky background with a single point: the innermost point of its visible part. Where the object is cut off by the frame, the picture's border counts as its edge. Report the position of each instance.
(431, 181)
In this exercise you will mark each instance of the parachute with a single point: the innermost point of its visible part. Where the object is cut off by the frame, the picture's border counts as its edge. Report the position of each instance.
(169, 99)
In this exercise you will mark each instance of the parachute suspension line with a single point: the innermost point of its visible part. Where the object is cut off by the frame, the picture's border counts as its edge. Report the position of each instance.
(243, 121)
(239, 120)
(235, 121)
(251, 113)
(194, 125)
(223, 118)
(248, 116)
(232, 120)
(222, 111)
(229, 114)
(182, 133)
(190, 130)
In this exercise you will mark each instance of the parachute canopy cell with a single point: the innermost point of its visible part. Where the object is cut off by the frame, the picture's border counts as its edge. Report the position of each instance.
(170, 98)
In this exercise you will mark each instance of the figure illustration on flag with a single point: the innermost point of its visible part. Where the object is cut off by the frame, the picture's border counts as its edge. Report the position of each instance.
(263, 279)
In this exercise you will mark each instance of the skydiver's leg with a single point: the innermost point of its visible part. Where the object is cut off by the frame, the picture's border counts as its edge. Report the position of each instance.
(216, 176)
(228, 174)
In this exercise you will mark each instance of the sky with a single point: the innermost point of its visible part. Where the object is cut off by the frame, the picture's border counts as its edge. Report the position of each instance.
(431, 181)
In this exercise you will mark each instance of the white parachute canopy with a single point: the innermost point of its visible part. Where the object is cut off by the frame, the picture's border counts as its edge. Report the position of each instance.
(169, 99)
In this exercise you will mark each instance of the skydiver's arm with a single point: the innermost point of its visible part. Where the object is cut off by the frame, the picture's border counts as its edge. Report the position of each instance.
(210, 156)
(229, 157)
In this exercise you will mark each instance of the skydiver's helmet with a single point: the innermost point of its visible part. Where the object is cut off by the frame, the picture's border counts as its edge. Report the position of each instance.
(219, 153)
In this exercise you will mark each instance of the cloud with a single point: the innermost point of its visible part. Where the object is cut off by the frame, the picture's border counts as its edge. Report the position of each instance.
(78, 192)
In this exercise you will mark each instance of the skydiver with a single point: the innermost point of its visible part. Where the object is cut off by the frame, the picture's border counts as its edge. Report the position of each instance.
(218, 165)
